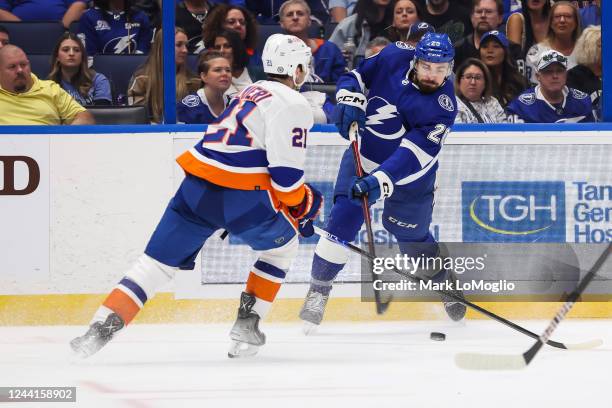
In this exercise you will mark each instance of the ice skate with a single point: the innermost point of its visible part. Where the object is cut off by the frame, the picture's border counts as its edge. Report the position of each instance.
(455, 310)
(97, 336)
(246, 336)
(312, 310)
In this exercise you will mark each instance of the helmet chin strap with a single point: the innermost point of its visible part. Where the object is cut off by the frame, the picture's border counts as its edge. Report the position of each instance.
(306, 74)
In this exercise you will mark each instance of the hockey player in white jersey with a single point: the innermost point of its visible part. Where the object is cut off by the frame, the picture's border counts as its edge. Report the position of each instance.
(245, 176)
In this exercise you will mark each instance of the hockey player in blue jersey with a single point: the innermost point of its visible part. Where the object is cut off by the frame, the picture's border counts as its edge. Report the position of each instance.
(403, 125)
(551, 101)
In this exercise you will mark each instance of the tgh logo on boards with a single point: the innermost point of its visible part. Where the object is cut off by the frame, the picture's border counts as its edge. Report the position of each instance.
(10, 185)
(513, 211)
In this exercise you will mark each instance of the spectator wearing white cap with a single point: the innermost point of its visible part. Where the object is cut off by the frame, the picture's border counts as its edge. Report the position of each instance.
(551, 101)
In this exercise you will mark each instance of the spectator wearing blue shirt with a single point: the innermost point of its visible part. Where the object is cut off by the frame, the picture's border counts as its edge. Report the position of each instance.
(207, 103)
(551, 101)
(64, 11)
(115, 27)
(69, 69)
(591, 14)
(328, 62)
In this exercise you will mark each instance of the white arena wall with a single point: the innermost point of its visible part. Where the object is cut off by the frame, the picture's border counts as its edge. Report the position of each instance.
(102, 190)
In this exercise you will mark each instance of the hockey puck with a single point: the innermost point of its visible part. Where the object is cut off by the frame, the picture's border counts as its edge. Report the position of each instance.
(437, 336)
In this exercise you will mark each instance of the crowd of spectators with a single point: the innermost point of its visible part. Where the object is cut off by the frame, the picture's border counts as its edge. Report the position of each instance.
(516, 60)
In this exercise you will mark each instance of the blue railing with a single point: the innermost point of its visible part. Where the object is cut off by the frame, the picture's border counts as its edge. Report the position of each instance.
(104, 129)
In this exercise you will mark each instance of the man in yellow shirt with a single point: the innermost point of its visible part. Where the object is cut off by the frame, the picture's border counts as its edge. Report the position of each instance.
(26, 100)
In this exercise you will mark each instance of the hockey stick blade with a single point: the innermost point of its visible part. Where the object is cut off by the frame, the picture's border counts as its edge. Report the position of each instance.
(322, 233)
(481, 361)
(475, 361)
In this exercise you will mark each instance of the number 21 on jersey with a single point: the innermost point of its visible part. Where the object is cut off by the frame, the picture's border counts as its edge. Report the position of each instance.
(232, 130)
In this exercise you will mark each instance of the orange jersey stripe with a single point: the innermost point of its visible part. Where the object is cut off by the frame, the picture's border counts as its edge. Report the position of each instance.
(262, 288)
(122, 304)
(240, 181)
(224, 178)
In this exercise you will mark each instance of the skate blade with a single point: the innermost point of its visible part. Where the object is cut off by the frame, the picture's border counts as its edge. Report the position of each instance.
(309, 328)
(77, 353)
(239, 349)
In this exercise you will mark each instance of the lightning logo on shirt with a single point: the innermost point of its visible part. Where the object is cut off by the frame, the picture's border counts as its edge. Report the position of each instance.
(123, 43)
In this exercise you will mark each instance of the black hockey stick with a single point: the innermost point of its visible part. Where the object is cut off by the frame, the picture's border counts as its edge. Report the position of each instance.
(579, 346)
(381, 306)
(476, 361)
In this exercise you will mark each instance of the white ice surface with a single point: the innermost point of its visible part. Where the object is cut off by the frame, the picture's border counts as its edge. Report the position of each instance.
(371, 365)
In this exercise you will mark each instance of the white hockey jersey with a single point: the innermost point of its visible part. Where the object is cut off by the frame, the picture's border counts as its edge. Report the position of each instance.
(257, 143)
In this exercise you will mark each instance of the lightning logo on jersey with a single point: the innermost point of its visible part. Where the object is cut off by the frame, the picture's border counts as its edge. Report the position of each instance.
(383, 121)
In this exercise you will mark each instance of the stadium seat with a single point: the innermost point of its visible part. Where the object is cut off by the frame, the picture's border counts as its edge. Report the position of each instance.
(118, 68)
(35, 37)
(40, 65)
(74, 27)
(120, 115)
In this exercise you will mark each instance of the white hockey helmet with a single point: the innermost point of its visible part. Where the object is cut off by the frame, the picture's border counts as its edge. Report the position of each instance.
(283, 53)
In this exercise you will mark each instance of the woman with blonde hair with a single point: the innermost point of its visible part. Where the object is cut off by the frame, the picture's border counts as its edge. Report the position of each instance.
(69, 69)
(563, 32)
(474, 90)
(586, 76)
(146, 86)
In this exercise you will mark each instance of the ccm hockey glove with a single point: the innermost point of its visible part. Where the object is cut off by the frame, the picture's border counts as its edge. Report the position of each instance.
(374, 186)
(306, 211)
(350, 108)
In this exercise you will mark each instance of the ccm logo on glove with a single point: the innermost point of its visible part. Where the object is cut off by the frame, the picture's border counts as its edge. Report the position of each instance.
(351, 98)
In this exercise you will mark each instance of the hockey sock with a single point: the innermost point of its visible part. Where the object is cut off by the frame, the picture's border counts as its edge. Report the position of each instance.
(138, 285)
(264, 282)
(323, 274)
(126, 299)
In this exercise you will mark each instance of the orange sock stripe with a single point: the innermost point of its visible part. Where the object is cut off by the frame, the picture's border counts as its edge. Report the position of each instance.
(262, 288)
(122, 304)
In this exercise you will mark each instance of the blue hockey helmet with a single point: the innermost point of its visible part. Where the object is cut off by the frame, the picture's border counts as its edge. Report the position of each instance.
(435, 47)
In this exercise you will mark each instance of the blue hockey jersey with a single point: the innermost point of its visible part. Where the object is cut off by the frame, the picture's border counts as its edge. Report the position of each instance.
(404, 128)
(532, 107)
(109, 33)
(427, 119)
(194, 109)
(381, 77)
